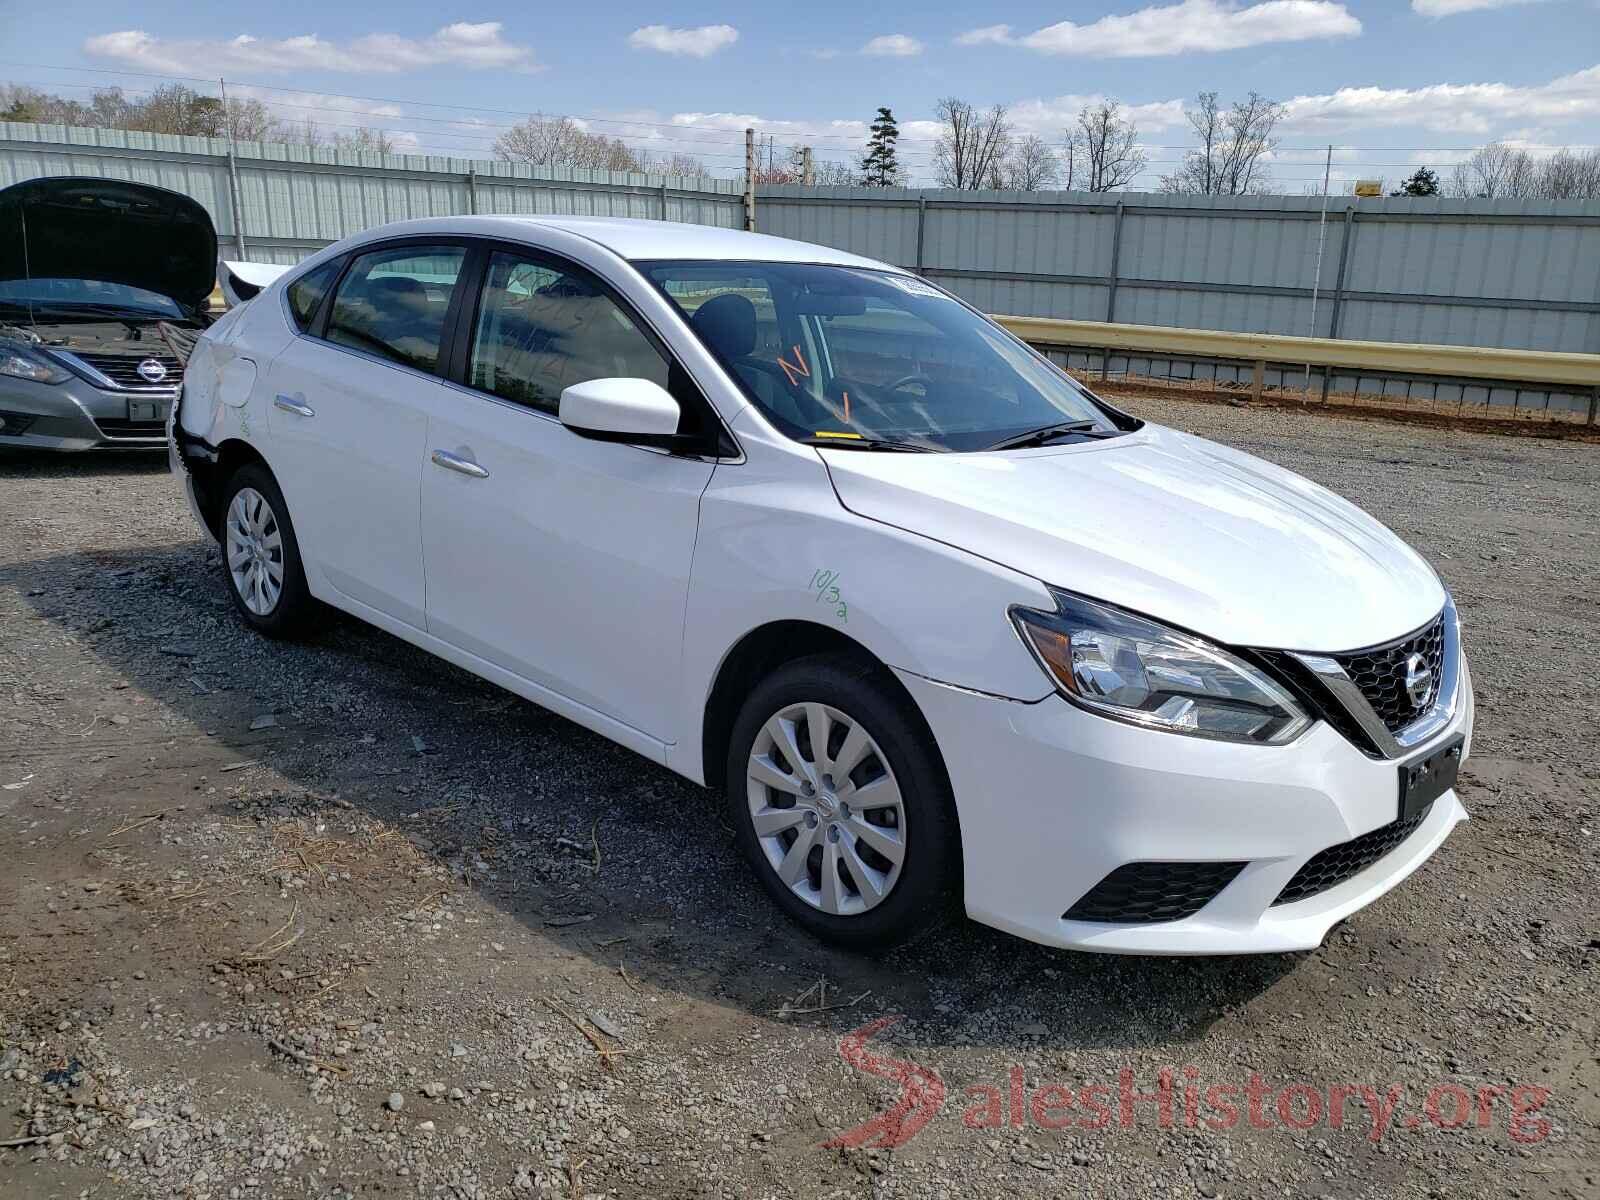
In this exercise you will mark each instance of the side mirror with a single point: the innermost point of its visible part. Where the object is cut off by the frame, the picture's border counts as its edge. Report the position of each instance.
(622, 410)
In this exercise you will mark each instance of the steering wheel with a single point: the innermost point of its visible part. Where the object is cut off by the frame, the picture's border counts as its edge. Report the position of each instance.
(907, 381)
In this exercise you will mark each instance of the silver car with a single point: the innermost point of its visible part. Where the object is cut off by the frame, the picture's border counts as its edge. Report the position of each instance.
(89, 271)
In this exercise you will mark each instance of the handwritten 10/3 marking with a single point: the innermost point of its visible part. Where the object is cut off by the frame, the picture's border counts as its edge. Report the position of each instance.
(826, 585)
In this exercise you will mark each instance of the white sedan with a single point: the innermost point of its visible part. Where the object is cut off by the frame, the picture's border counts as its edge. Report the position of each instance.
(934, 620)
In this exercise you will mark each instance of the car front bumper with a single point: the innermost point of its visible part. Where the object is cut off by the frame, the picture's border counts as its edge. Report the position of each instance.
(1052, 799)
(77, 415)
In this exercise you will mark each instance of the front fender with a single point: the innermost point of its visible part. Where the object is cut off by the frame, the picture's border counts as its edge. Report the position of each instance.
(778, 546)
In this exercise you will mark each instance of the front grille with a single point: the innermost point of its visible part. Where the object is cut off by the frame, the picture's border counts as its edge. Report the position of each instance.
(114, 427)
(1144, 892)
(123, 369)
(1380, 673)
(1337, 863)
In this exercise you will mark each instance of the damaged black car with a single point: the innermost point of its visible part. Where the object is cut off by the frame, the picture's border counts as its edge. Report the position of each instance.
(102, 282)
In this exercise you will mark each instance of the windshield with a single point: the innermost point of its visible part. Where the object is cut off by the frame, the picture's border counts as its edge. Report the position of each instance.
(842, 354)
(89, 295)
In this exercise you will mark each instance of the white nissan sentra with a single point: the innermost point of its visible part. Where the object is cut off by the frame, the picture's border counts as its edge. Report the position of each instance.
(932, 618)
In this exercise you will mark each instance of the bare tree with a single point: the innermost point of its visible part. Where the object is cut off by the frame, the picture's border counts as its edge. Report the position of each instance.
(553, 141)
(1233, 143)
(305, 131)
(677, 163)
(1570, 175)
(174, 108)
(1501, 172)
(830, 172)
(1496, 171)
(972, 146)
(773, 167)
(1104, 147)
(365, 138)
(170, 108)
(249, 120)
(1030, 166)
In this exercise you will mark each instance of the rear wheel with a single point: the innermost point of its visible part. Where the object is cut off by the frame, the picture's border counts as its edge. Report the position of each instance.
(840, 803)
(260, 556)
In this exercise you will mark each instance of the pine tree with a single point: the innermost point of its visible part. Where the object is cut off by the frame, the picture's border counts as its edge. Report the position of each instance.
(879, 167)
(1423, 183)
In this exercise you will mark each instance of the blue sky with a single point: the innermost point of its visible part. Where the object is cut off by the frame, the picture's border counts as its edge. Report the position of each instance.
(1394, 81)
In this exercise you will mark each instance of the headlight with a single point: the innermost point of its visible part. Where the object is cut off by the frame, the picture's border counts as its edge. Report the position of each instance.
(21, 365)
(1133, 669)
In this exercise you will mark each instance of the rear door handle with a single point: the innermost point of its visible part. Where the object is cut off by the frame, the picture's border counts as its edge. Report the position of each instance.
(290, 404)
(454, 462)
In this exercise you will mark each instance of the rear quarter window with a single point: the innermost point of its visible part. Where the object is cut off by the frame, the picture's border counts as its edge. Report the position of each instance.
(306, 293)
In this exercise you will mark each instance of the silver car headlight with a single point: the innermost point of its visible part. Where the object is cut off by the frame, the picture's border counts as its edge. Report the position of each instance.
(19, 364)
(1133, 669)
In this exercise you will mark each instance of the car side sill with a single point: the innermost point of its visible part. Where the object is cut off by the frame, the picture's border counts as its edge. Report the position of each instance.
(606, 727)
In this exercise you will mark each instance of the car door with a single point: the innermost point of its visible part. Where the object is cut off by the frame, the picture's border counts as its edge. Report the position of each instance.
(561, 559)
(349, 416)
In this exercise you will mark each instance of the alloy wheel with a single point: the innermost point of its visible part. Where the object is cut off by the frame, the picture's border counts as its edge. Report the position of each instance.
(826, 808)
(255, 551)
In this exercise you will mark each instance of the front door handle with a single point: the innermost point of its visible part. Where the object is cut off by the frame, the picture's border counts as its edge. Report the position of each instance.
(454, 462)
(290, 404)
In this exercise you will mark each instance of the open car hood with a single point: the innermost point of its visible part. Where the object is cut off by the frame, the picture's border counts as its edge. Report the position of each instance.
(1178, 528)
(110, 230)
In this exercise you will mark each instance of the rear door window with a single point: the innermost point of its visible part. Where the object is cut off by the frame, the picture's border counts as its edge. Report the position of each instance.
(393, 303)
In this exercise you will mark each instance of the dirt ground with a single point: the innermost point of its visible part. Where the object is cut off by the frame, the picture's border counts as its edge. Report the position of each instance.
(337, 919)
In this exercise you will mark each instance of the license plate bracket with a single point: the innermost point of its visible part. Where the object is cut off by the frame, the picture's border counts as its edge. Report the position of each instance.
(1424, 780)
(146, 410)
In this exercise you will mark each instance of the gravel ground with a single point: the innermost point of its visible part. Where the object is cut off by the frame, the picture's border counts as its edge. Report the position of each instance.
(338, 919)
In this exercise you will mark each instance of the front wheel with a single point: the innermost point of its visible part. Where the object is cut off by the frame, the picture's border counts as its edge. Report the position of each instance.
(260, 556)
(840, 803)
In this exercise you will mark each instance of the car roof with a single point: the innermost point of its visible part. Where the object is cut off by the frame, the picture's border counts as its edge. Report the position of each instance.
(633, 238)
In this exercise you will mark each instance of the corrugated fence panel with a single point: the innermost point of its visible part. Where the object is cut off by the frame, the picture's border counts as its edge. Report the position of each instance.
(854, 219)
(1467, 272)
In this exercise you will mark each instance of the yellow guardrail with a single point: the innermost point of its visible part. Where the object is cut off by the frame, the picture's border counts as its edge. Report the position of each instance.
(1580, 371)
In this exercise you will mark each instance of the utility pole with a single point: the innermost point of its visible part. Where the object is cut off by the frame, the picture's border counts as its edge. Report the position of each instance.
(1322, 243)
(233, 175)
(808, 173)
(750, 180)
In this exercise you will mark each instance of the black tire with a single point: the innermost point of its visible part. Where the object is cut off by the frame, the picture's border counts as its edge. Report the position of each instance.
(295, 612)
(923, 890)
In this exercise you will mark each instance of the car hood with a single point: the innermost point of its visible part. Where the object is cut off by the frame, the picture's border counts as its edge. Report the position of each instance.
(1169, 525)
(110, 230)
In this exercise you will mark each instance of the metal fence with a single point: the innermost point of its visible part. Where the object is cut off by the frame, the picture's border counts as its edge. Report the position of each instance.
(278, 203)
(1511, 273)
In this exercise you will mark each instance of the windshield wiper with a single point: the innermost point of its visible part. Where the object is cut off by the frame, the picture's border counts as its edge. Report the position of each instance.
(868, 443)
(1047, 433)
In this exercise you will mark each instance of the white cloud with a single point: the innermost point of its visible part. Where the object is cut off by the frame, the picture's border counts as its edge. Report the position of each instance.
(332, 114)
(1478, 109)
(1449, 8)
(294, 105)
(893, 45)
(1048, 117)
(999, 35)
(700, 42)
(1188, 27)
(463, 43)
